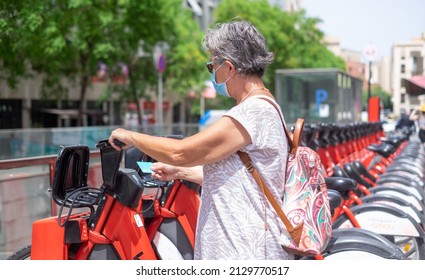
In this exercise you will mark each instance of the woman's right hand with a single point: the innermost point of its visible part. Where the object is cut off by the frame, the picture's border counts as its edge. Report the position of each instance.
(165, 172)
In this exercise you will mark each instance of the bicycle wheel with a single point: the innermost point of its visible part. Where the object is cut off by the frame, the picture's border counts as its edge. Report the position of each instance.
(412, 246)
(356, 243)
(23, 253)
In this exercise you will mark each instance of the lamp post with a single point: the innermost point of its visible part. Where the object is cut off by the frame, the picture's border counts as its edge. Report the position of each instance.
(159, 52)
(369, 54)
(373, 109)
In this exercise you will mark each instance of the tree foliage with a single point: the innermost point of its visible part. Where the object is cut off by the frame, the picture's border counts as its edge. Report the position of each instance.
(293, 37)
(68, 39)
(384, 97)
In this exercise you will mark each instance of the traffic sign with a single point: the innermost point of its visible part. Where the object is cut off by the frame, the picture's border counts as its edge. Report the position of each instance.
(160, 63)
(370, 52)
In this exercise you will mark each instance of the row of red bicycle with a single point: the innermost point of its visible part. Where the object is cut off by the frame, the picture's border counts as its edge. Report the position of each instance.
(133, 216)
(376, 186)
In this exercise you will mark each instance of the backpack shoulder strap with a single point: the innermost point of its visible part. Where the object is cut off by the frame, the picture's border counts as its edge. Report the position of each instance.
(296, 231)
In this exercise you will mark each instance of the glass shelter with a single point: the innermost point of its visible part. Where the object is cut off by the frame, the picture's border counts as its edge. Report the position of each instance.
(318, 95)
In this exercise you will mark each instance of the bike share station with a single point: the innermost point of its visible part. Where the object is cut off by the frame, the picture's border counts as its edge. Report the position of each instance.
(375, 184)
(381, 215)
(318, 95)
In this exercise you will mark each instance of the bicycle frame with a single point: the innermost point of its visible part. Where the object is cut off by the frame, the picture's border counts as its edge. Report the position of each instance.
(131, 219)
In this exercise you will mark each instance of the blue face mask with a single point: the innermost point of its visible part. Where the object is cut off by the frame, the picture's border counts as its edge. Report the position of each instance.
(221, 88)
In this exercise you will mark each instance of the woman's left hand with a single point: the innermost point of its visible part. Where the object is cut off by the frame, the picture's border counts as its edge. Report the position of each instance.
(122, 135)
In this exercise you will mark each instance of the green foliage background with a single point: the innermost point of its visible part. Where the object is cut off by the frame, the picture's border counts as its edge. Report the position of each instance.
(66, 40)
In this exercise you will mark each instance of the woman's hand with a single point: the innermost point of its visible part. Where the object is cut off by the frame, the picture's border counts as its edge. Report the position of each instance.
(167, 172)
(122, 135)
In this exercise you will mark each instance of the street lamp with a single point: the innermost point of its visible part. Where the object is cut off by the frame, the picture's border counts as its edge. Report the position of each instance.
(160, 49)
(369, 54)
(373, 107)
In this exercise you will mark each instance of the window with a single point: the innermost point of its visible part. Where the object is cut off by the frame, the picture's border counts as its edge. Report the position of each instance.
(403, 68)
(417, 63)
(10, 114)
(414, 64)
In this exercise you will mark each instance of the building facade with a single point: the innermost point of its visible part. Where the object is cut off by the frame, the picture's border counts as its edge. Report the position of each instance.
(407, 61)
(393, 73)
(354, 64)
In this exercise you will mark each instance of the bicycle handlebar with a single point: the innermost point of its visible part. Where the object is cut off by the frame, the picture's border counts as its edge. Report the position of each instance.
(119, 143)
(105, 143)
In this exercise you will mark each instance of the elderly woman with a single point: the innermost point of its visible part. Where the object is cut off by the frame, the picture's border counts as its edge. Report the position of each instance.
(235, 220)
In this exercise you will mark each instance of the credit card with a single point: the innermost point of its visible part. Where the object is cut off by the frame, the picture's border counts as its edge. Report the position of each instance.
(145, 166)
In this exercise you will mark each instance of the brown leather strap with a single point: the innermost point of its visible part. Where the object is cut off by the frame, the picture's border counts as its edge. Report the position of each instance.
(294, 232)
(297, 135)
(294, 141)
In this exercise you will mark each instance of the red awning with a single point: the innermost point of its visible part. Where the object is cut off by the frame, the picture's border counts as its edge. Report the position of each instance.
(415, 85)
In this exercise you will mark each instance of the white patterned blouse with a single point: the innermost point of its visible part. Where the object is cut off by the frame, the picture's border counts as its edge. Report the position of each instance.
(231, 222)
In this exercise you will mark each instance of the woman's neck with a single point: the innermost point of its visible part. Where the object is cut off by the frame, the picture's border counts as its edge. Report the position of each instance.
(250, 86)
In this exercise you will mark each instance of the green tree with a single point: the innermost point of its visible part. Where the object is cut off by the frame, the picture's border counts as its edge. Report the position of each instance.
(173, 25)
(18, 19)
(68, 39)
(293, 37)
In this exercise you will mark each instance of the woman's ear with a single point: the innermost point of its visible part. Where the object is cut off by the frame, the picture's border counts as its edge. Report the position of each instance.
(232, 68)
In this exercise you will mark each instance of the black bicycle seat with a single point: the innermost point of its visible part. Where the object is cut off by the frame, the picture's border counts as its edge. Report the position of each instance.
(339, 172)
(384, 149)
(363, 170)
(341, 184)
(395, 141)
(353, 173)
(335, 199)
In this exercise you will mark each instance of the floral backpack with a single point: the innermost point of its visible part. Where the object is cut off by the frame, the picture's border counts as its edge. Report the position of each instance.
(305, 210)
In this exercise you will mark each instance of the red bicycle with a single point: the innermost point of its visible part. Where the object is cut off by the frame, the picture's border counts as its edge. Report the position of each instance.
(131, 216)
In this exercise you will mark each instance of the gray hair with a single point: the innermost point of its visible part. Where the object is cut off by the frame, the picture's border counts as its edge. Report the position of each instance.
(242, 44)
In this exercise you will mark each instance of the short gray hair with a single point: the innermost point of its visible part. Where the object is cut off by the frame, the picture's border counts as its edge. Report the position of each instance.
(241, 43)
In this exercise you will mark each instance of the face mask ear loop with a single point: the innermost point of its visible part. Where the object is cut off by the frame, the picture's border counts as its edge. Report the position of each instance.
(215, 70)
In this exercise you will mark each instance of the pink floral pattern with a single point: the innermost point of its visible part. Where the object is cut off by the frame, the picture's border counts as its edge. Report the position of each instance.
(306, 200)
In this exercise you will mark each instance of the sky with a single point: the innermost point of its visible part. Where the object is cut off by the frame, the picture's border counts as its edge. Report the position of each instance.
(359, 23)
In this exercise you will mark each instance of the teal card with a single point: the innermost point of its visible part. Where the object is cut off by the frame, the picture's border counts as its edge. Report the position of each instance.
(145, 166)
